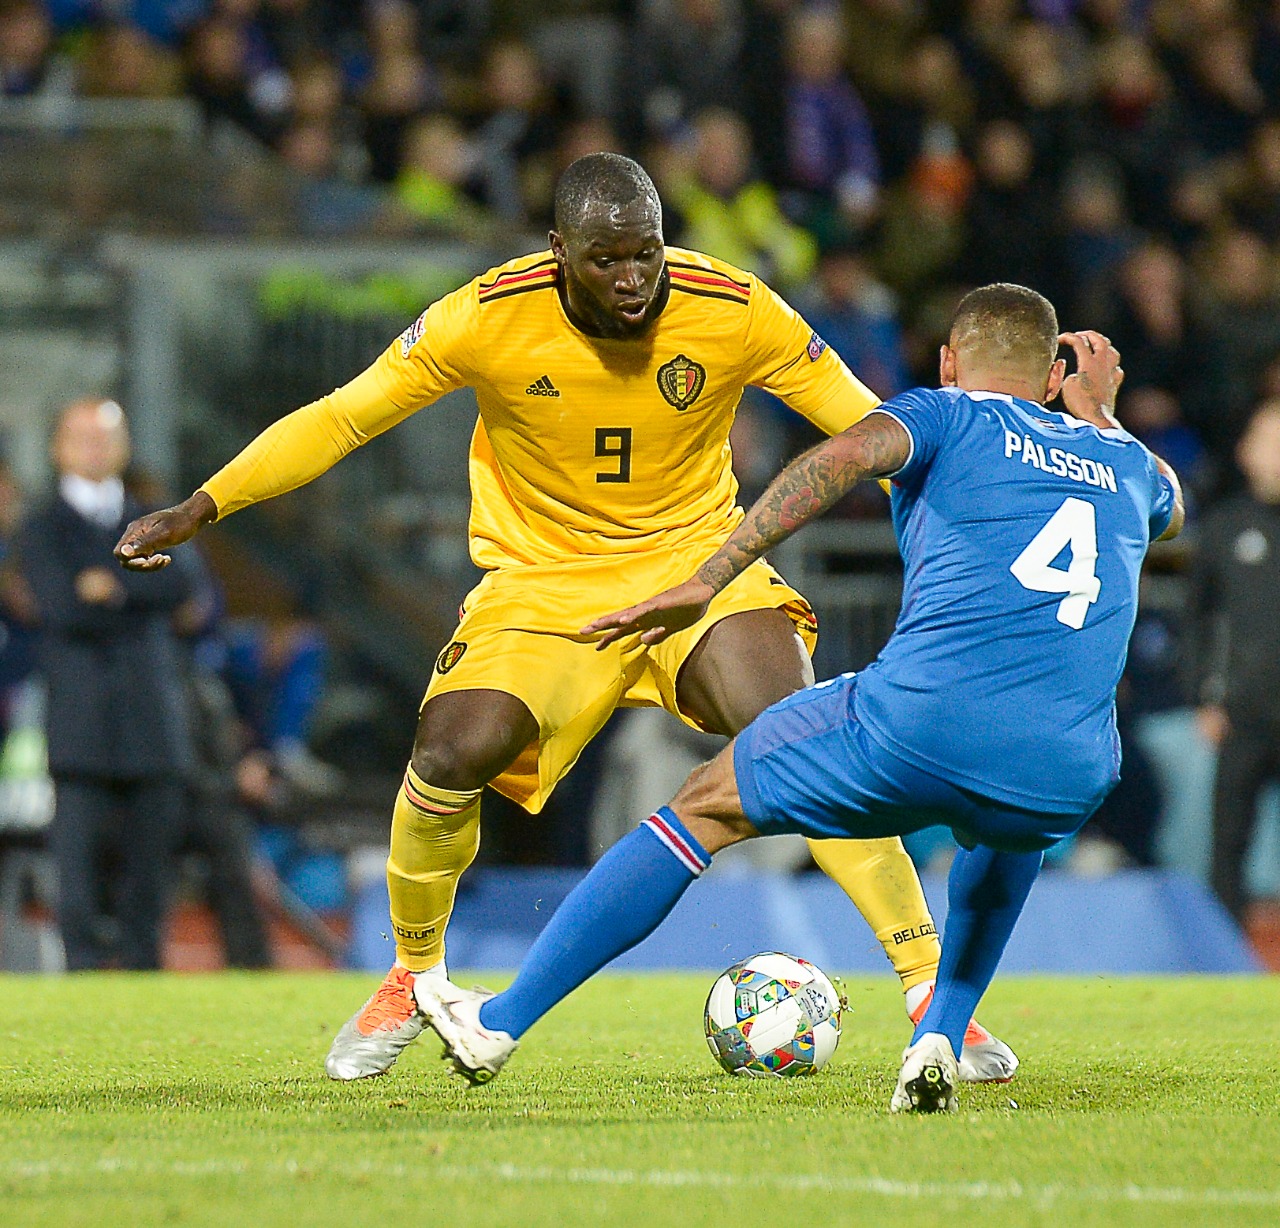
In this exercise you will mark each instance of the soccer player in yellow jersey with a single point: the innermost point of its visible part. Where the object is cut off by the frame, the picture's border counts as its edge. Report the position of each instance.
(607, 372)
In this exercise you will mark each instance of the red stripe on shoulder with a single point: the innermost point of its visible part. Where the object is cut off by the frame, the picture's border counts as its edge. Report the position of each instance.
(547, 264)
(697, 268)
(506, 291)
(709, 283)
(518, 280)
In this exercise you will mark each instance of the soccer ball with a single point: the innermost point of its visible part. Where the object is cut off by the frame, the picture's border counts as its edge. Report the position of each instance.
(773, 1015)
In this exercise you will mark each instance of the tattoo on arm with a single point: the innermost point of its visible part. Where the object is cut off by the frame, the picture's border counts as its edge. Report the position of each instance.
(875, 447)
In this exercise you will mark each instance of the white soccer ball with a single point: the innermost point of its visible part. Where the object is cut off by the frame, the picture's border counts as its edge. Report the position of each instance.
(773, 1015)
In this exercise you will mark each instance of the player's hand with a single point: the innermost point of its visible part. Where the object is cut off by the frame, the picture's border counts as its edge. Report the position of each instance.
(141, 546)
(1090, 394)
(657, 618)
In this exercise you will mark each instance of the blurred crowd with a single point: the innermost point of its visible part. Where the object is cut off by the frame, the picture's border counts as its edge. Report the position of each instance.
(871, 159)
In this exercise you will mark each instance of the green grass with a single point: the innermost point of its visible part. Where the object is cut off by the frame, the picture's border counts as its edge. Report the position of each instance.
(202, 1101)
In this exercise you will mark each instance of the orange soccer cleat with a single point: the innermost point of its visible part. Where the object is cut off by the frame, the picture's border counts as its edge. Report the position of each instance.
(370, 1041)
(984, 1058)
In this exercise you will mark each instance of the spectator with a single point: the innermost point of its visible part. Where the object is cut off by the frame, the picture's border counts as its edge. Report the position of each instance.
(1010, 215)
(230, 87)
(324, 202)
(1235, 647)
(730, 213)
(1197, 210)
(1040, 83)
(401, 87)
(118, 734)
(1154, 416)
(518, 133)
(1241, 314)
(1255, 197)
(921, 235)
(1136, 120)
(124, 63)
(857, 317)
(438, 162)
(1222, 98)
(1097, 235)
(28, 67)
(831, 151)
(1164, 348)
(686, 57)
(884, 37)
(931, 99)
(218, 825)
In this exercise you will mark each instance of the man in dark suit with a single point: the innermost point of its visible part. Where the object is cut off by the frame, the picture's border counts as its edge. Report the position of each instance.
(119, 732)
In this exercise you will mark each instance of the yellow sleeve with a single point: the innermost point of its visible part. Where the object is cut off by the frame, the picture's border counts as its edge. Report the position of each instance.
(429, 359)
(786, 357)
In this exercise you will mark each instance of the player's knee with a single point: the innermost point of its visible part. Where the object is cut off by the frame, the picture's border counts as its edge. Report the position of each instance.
(708, 805)
(458, 765)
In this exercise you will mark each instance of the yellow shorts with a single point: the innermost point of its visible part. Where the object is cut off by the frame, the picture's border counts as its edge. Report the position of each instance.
(518, 634)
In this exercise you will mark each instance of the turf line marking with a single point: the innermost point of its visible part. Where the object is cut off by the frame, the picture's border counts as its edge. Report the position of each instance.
(1009, 1191)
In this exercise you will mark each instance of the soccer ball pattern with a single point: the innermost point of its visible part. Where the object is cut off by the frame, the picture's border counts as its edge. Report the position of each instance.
(773, 1015)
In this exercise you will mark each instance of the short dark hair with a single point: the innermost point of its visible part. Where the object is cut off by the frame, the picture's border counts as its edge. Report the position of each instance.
(600, 177)
(1008, 325)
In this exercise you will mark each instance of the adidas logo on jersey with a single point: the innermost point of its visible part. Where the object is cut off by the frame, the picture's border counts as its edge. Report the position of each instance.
(542, 387)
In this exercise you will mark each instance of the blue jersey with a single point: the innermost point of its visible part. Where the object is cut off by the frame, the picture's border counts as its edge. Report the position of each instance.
(1022, 532)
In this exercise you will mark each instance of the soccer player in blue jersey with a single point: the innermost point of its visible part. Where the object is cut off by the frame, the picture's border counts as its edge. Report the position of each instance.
(991, 709)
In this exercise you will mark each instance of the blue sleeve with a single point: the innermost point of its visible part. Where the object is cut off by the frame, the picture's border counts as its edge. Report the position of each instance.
(926, 415)
(1163, 500)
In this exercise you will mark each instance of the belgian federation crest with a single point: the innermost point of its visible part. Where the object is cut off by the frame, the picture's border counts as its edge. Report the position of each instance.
(680, 381)
(450, 656)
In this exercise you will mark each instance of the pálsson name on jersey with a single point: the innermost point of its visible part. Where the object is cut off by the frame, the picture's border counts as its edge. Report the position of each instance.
(1060, 462)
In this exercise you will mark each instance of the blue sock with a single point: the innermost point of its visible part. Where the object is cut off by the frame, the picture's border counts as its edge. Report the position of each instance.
(985, 895)
(621, 902)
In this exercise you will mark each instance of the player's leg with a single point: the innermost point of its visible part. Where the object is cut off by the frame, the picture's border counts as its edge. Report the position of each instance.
(464, 739)
(621, 901)
(986, 892)
(743, 664)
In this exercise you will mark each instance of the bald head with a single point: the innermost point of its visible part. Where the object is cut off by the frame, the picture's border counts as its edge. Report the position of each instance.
(1008, 332)
(91, 440)
(602, 186)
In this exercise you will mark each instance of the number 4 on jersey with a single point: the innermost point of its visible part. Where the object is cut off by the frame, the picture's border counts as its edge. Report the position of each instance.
(1074, 524)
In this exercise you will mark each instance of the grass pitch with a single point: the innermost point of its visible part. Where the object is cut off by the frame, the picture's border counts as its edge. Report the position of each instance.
(137, 1100)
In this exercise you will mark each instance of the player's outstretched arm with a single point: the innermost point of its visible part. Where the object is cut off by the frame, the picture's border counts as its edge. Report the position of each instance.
(142, 545)
(875, 447)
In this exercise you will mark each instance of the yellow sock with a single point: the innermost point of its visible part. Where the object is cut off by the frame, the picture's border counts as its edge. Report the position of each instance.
(434, 837)
(879, 877)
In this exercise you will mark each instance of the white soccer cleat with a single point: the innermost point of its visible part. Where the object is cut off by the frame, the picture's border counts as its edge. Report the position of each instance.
(984, 1058)
(477, 1054)
(928, 1078)
(370, 1041)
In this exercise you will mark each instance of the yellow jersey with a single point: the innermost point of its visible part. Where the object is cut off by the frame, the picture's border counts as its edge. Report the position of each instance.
(584, 446)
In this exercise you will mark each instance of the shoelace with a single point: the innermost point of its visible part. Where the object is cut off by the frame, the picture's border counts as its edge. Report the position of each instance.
(392, 1004)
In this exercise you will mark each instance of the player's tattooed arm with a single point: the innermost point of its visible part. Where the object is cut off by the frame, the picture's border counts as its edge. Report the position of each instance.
(875, 447)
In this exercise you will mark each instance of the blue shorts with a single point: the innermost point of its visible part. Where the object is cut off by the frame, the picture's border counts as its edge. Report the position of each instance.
(806, 765)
